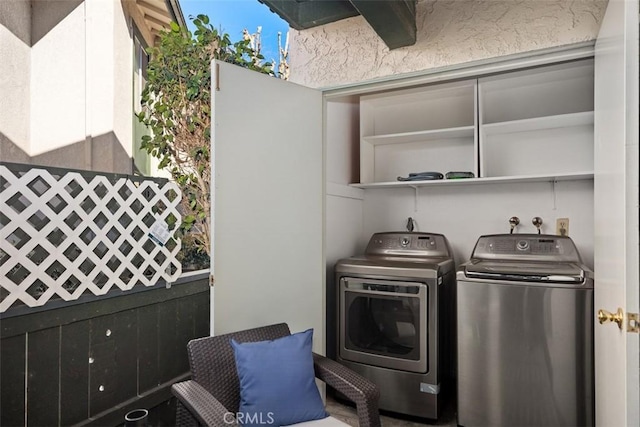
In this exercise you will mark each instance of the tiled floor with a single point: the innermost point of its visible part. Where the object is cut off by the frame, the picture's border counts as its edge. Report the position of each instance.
(347, 414)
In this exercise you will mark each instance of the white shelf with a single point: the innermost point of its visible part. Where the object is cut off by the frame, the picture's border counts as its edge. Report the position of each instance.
(539, 123)
(539, 146)
(537, 92)
(420, 136)
(480, 181)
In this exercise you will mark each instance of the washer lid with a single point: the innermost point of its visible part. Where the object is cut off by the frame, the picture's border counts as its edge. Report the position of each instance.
(542, 272)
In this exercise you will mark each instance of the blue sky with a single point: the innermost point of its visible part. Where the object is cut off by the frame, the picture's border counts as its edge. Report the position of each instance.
(232, 16)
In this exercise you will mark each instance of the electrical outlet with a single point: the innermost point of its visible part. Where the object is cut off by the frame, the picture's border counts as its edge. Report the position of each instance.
(562, 226)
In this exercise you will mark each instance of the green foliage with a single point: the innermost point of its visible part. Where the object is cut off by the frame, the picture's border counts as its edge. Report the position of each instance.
(192, 257)
(177, 109)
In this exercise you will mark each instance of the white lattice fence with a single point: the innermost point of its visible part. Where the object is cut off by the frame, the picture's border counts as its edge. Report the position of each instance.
(63, 234)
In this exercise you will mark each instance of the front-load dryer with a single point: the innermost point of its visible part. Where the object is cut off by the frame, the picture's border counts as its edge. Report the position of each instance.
(395, 308)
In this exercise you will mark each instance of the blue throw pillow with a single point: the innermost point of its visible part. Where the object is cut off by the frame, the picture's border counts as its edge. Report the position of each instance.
(277, 381)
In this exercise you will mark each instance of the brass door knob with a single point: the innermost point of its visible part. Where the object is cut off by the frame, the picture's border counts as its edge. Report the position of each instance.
(606, 316)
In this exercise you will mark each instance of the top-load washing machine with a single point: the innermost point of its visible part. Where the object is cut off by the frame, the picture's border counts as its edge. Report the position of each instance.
(525, 333)
(395, 309)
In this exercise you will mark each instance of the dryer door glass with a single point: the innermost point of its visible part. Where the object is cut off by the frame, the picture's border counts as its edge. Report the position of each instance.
(385, 318)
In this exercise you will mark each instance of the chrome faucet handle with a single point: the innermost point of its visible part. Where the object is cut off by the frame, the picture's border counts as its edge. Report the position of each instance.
(537, 222)
(513, 222)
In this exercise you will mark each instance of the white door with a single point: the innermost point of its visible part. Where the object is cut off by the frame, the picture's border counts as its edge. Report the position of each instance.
(616, 212)
(267, 248)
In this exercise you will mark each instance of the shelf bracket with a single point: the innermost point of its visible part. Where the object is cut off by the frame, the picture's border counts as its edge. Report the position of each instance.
(415, 197)
(553, 193)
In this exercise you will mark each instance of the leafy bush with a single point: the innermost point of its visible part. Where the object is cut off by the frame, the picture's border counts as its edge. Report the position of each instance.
(177, 109)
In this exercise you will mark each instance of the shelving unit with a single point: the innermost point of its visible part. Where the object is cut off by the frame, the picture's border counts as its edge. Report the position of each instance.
(529, 125)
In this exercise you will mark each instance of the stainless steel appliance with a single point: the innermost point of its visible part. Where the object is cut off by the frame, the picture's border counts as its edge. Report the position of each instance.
(395, 319)
(525, 333)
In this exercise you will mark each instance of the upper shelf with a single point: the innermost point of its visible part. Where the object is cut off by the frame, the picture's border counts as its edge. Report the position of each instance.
(538, 123)
(421, 136)
(477, 181)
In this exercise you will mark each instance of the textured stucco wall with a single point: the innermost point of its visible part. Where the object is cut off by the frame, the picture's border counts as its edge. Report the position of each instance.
(15, 72)
(449, 32)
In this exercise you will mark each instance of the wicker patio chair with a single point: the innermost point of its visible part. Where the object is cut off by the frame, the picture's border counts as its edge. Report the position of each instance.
(214, 388)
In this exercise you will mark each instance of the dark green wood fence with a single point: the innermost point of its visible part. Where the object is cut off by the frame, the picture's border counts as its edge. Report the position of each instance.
(92, 361)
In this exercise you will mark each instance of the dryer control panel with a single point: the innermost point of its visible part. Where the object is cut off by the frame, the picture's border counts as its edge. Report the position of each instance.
(531, 247)
(408, 244)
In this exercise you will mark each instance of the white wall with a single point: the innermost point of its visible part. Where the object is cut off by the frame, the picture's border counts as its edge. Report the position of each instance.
(463, 213)
(57, 78)
(101, 65)
(66, 83)
(343, 204)
(15, 72)
(122, 77)
(110, 86)
(449, 32)
(344, 237)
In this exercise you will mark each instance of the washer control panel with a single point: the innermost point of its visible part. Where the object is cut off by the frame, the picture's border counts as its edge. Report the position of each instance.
(408, 244)
(526, 246)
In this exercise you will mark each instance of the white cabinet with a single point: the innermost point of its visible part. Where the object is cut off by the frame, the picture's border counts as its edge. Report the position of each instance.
(531, 124)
